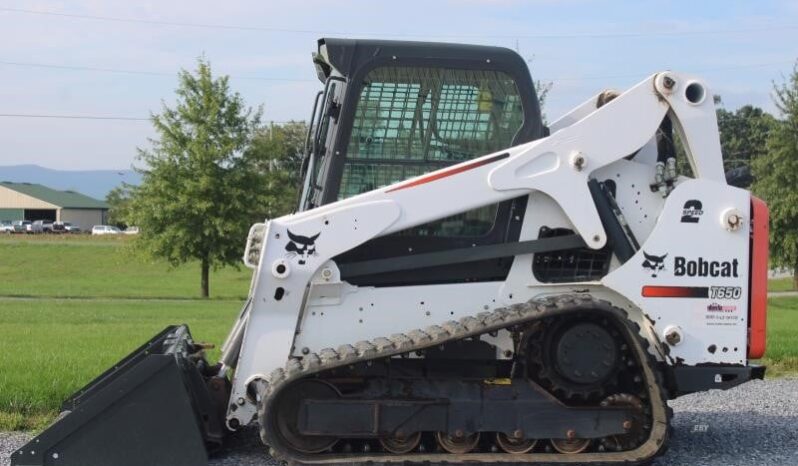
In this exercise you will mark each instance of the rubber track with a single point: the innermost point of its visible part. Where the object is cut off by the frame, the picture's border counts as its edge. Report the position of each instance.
(470, 326)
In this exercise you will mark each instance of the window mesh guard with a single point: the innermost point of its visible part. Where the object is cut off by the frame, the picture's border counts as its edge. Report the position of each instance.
(569, 265)
(410, 121)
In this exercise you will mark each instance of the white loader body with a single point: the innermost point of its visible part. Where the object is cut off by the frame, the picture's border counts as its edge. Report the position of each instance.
(694, 243)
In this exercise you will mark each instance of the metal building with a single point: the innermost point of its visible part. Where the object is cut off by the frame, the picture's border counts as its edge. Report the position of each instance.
(29, 201)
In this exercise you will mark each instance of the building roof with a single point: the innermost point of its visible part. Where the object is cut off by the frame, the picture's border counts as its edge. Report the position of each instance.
(65, 199)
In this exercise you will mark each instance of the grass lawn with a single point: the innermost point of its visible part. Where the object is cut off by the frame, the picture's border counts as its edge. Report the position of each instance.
(781, 355)
(781, 284)
(86, 266)
(52, 347)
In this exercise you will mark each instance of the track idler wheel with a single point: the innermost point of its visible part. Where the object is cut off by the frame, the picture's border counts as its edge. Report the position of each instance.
(288, 414)
(515, 445)
(458, 443)
(401, 444)
(634, 427)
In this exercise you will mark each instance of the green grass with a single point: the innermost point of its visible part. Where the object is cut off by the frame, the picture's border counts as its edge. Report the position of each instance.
(52, 347)
(86, 266)
(781, 355)
(781, 284)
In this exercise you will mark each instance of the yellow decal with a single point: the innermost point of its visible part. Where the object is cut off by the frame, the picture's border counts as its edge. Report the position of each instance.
(497, 381)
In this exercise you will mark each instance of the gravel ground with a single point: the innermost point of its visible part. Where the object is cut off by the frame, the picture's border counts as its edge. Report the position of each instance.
(756, 423)
(10, 441)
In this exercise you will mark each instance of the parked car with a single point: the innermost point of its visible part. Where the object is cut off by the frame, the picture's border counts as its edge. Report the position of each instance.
(105, 230)
(131, 231)
(21, 226)
(33, 227)
(66, 227)
(6, 226)
(43, 226)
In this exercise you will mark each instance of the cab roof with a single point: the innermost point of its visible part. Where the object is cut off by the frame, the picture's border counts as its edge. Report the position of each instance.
(348, 56)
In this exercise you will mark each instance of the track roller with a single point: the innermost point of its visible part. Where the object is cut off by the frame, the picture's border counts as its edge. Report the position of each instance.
(572, 446)
(515, 445)
(457, 443)
(401, 444)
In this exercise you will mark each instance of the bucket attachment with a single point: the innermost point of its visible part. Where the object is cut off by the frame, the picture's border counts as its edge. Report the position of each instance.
(160, 405)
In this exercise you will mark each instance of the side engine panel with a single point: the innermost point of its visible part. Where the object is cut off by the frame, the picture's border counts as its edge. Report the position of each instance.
(691, 275)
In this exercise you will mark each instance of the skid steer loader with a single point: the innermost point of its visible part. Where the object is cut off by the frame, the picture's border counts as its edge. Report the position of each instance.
(462, 283)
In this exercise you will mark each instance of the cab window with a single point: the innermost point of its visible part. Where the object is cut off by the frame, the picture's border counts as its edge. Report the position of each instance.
(410, 120)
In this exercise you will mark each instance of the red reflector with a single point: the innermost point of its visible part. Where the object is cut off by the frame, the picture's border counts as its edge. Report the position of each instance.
(758, 289)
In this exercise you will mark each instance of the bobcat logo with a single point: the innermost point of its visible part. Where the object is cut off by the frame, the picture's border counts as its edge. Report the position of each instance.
(654, 263)
(301, 246)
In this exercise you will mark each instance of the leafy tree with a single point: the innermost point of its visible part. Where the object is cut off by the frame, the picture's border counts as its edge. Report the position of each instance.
(277, 152)
(119, 201)
(743, 136)
(776, 177)
(542, 90)
(199, 190)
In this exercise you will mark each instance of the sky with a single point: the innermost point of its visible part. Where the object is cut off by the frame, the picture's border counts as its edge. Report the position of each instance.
(580, 46)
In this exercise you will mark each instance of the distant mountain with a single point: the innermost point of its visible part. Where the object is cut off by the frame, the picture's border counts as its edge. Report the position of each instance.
(94, 183)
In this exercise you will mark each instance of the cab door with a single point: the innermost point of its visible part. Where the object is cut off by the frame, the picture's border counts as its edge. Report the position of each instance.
(409, 120)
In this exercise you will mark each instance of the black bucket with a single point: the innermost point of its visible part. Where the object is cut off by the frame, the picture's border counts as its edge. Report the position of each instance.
(160, 405)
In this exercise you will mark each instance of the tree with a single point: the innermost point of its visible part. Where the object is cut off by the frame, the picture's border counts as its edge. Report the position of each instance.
(118, 200)
(542, 90)
(277, 152)
(776, 177)
(743, 136)
(199, 190)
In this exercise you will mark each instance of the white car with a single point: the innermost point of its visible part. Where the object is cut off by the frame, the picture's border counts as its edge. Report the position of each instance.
(6, 226)
(131, 231)
(20, 226)
(105, 230)
(43, 226)
(33, 227)
(71, 228)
